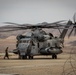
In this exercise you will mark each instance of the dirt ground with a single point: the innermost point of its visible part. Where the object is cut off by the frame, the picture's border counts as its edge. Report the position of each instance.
(40, 65)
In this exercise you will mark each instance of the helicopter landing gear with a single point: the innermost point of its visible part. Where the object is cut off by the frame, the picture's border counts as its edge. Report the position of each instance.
(54, 56)
(30, 57)
(22, 56)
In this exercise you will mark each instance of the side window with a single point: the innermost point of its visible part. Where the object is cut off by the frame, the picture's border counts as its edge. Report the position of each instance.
(24, 41)
(38, 45)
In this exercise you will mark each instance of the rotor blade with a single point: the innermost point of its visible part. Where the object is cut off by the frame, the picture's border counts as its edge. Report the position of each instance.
(32, 26)
(74, 30)
(11, 23)
(74, 18)
(48, 25)
(10, 30)
(58, 28)
(62, 28)
(71, 32)
(45, 26)
(56, 22)
(36, 25)
(15, 24)
(12, 27)
(64, 32)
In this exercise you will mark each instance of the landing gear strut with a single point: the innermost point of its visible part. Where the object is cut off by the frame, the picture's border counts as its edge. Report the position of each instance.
(22, 57)
(30, 57)
(54, 56)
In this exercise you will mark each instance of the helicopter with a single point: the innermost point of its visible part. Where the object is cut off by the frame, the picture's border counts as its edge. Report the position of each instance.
(38, 42)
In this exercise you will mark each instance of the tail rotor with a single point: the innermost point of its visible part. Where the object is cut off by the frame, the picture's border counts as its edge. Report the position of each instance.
(74, 26)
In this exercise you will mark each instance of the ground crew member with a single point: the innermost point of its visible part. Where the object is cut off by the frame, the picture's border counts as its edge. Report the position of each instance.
(6, 53)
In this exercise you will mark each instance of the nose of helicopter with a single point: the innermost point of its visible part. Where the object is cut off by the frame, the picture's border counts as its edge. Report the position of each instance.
(23, 47)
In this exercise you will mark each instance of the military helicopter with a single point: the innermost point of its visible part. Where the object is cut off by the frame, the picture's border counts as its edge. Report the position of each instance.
(38, 42)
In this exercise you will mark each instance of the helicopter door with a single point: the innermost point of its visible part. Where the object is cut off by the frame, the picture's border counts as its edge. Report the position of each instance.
(34, 49)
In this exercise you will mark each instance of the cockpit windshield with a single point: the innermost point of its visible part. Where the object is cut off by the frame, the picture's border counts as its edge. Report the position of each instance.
(24, 41)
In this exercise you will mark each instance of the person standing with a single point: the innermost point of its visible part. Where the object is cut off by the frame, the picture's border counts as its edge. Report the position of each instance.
(6, 53)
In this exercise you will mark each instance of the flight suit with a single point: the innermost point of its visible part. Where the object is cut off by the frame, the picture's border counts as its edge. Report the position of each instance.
(6, 53)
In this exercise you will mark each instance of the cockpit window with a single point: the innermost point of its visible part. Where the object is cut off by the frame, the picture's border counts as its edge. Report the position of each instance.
(24, 41)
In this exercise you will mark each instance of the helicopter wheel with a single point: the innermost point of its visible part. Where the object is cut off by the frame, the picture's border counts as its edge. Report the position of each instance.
(23, 57)
(19, 56)
(30, 57)
(54, 56)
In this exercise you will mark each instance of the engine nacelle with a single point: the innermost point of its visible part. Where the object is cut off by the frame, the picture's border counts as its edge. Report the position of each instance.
(44, 51)
(48, 51)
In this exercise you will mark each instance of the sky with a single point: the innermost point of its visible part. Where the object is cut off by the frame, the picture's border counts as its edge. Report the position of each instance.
(36, 11)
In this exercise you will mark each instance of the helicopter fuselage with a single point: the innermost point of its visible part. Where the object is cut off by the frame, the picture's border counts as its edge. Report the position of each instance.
(31, 47)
